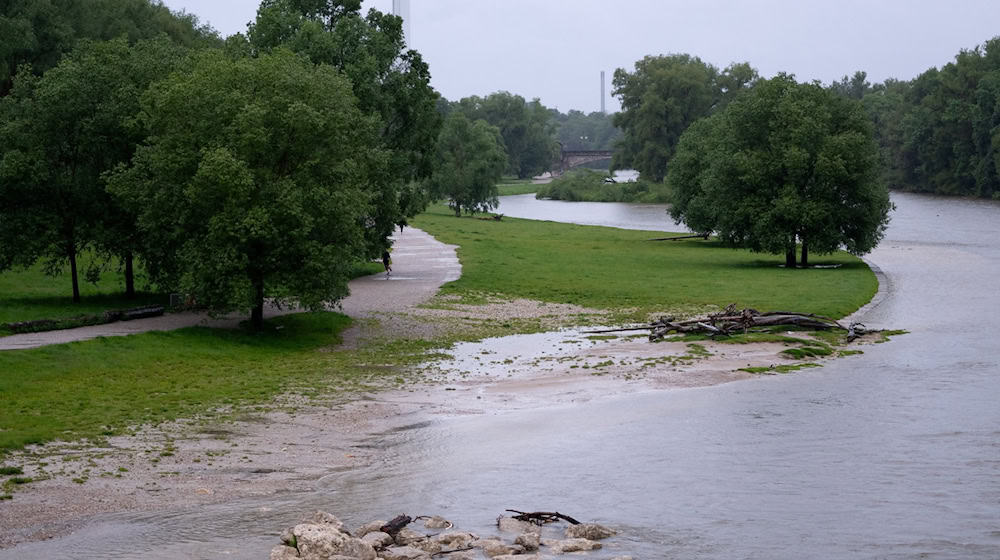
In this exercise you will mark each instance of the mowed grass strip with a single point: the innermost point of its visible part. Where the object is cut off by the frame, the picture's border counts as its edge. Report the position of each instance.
(98, 387)
(609, 268)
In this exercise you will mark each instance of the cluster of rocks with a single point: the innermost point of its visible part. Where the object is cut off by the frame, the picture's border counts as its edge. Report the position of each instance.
(323, 537)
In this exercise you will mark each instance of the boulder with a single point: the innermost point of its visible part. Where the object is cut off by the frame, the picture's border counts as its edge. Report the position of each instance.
(282, 552)
(530, 541)
(404, 553)
(589, 531)
(378, 539)
(428, 546)
(493, 547)
(438, 522)
(369, 528)
(408, 536)
(320, 542)
(328, 519)
(511, 525)
(572, 545)
(455, 539)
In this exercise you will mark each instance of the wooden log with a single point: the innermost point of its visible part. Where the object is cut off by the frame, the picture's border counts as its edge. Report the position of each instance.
(542, 517)
(397, 523)
(696, 236)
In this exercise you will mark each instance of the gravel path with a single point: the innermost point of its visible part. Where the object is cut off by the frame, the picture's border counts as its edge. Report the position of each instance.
(420, 264)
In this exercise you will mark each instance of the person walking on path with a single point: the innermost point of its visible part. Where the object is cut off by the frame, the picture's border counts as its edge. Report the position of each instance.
(386, 262)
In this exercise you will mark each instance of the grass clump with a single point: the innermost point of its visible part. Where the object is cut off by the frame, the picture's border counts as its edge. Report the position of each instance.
(510, 186)
(7, 471)
(614, 269)
(785, 368)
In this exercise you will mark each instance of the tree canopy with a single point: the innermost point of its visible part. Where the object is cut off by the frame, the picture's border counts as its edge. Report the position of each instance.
(661, 98)
(255, 181)
(470, 161)
(787, 162)
(389, 81)
(39, 32)
(526, 128)
(60, 134)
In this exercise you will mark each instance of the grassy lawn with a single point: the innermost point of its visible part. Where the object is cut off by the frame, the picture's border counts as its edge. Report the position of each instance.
(610, 268)
(101, 387)
(510, 185)
(31, 294)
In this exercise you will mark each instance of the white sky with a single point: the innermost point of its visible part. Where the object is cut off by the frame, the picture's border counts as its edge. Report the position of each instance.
(556, 49)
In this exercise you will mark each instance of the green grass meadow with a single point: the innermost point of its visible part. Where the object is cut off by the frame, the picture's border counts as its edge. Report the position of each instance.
(105, 386)
(609, 268)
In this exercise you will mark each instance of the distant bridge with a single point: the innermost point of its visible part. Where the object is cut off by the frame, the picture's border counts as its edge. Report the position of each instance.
(574, 158)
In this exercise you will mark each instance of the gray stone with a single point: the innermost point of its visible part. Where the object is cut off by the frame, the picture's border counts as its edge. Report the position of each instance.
(320, 542)
(324, 518)
(403, 553)
(493, 547)
(455, 539)
(282, 552)
(438, 522)
(622, 558)
(428, 546)
(378, 539)
(511, 525)
(518, 557)
(408, 536)
(529, 541)
(590, 531)
(369, 528)
(573, 545)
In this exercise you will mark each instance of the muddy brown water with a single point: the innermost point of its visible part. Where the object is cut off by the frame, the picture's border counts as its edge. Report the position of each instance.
(891, 454)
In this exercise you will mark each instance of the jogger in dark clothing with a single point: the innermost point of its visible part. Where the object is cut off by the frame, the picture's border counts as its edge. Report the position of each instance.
(385, 262)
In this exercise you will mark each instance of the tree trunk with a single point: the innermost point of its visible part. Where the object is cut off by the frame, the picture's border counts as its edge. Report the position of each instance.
(257, 314)
(805, 254)
(71, 249)
(129, 276)
(790, 257)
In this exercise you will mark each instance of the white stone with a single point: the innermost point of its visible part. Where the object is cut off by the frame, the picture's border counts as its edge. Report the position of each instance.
(369, 528)
(529, 541)
(438, 522)
(282, 552)
(378, 539)
(574, 545)
(320, 542)
(511, 525)
(408, 536)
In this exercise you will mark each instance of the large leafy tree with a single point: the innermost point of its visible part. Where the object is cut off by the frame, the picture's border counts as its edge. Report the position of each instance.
(39, 32)
(254, 183)
(661, 98)
(390, 82)
(527, 129)
(576, 130)
(59, 134)
(786, 163)
(470, 161)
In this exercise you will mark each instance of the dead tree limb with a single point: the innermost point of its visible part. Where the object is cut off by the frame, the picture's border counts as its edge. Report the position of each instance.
(542, 517)
(396, 524)
(695, 236)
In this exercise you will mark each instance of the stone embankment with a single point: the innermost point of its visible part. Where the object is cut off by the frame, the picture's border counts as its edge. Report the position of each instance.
(323, 537)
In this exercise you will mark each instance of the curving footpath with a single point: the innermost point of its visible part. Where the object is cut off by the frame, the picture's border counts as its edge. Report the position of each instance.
(420, 264)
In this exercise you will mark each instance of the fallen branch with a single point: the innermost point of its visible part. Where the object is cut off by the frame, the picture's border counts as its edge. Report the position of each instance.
(695, 236)
(542, 517)
(396, 524)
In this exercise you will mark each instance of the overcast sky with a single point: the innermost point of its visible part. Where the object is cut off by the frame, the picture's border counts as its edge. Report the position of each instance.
(556, 49)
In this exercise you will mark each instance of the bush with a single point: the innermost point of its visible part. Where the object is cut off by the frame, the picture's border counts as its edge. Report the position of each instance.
(593, 186)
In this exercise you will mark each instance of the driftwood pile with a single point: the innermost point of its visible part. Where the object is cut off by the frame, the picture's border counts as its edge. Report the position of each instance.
(731, 321)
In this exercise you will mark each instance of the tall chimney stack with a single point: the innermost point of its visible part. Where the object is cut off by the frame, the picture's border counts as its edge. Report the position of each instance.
(603, 110)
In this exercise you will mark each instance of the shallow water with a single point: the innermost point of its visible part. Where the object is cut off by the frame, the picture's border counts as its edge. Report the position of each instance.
(891, 454)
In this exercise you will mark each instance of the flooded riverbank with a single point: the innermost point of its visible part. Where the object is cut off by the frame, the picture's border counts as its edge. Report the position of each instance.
(894, 453)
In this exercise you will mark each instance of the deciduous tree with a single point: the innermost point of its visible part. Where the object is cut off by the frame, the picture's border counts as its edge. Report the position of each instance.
(255, 182)
(470, 161)
(785, 163)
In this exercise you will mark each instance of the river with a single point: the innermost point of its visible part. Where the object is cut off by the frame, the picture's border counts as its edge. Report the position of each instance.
(894, 453)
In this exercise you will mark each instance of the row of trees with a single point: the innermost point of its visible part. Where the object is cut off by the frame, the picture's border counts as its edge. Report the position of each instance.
(939, 132)
(261, 169)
